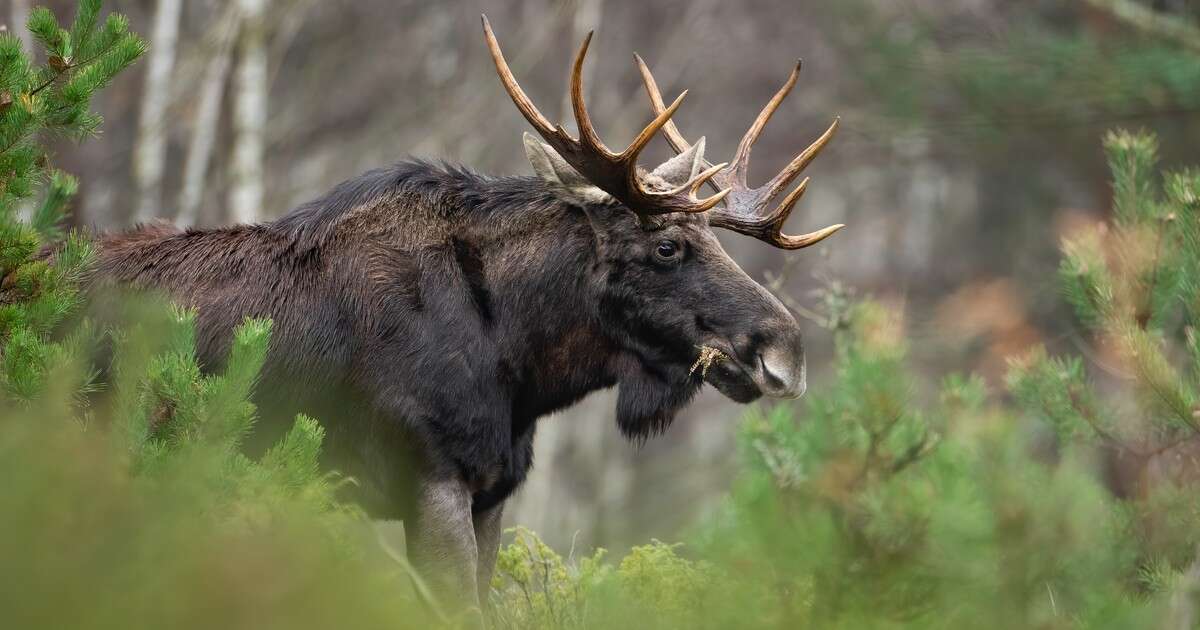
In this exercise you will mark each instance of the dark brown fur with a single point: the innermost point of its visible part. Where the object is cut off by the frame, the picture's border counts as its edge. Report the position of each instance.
(428, 316)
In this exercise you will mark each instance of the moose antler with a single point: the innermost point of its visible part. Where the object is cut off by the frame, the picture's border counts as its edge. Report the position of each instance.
(745, 208)
(614, 173)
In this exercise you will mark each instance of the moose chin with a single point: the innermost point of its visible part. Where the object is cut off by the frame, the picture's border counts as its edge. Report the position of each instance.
(429, 315)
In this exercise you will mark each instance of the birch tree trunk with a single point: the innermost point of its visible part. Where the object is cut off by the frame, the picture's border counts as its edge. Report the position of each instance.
(18, 16)
(208, 115)
(150, 152)
(249, 115)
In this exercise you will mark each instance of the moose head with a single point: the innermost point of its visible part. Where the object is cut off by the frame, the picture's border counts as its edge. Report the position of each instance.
(670, 291)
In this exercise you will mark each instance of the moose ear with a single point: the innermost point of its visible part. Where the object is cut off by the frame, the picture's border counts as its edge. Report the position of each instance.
(550, 166)
(684, 166)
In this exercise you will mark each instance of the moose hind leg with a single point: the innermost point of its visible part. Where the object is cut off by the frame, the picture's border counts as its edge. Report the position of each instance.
(442, 546)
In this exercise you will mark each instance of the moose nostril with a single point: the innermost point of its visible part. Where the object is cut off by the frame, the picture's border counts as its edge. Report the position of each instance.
(781, 374)
(776, 380)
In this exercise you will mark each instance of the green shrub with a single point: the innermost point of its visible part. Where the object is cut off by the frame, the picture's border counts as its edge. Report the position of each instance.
(651, 587)
(127, 502)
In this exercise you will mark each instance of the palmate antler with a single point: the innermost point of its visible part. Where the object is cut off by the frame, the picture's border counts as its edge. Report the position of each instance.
(746, 209)
(614, 173)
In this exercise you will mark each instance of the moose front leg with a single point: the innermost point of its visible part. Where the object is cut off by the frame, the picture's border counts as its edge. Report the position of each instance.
(442, 546)
(487, 539)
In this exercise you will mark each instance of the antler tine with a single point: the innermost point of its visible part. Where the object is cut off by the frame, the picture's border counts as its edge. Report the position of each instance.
(741, 157)
(520, 99)
(587, 132)
(744, 206)
(614, 173)
(751, 225)
(783, 241)
(712, 201)
(769, 227)
(589, 136)
(718, 182)
(663, 118)
(676, 139)
(692, 186)
(800, 162)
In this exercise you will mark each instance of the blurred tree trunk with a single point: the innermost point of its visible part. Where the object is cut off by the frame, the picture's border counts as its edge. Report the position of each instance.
(208, 115)
(150, 153)
(249, 115)
(586, 463)
(1176, 29)
(18, 16)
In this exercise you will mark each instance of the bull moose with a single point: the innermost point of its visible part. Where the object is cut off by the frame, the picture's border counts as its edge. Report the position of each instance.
(429, 315)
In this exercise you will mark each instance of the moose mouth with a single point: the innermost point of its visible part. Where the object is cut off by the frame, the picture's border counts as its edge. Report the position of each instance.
(740, 382)
(731, 379)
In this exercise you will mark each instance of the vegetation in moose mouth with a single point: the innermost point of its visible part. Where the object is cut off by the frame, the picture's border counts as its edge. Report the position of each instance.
(708, 357)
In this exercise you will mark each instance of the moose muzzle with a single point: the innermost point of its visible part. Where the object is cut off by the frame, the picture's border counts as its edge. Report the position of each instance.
(777, 369)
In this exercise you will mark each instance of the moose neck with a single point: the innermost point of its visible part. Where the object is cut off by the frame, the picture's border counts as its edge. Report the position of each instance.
(530, 271)
(538, 279)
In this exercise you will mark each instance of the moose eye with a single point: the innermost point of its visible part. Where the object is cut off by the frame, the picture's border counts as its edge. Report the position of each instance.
(666, 249)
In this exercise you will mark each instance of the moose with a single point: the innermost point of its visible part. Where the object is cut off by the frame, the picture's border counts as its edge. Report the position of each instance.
(429, 315)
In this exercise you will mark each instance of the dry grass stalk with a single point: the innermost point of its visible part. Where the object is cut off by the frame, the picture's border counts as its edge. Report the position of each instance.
(708, 357)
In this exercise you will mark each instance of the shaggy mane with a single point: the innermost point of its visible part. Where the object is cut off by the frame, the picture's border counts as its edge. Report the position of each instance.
(450, 190)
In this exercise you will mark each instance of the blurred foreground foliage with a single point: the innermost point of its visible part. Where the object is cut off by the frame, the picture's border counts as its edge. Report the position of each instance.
(992, 73)
(126, 501)
(877, 503)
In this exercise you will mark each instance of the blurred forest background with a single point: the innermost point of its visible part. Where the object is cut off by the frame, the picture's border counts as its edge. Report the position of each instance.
(969, 146)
